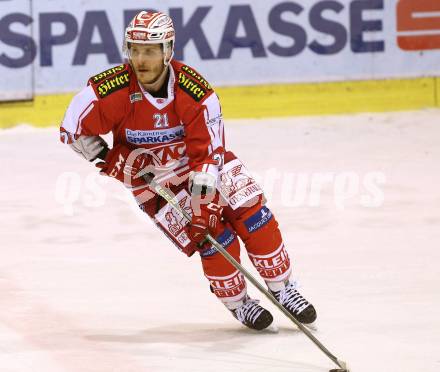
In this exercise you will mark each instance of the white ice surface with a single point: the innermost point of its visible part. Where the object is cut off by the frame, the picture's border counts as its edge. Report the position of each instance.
(94, 287)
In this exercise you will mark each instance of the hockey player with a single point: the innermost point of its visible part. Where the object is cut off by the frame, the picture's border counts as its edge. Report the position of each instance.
(166, 120)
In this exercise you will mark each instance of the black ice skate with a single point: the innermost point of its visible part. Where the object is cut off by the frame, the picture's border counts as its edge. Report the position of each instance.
(295, 304)
(252, 315)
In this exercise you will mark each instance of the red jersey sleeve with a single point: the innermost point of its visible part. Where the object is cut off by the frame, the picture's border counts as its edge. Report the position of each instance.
(99, 107)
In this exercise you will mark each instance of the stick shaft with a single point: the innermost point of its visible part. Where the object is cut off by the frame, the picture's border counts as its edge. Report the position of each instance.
(170, 199)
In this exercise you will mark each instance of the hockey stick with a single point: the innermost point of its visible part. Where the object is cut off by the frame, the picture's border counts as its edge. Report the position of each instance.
(166, 194)
(173, 202)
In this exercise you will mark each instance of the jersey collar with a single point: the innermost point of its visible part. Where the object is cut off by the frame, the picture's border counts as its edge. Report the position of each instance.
(161, 103)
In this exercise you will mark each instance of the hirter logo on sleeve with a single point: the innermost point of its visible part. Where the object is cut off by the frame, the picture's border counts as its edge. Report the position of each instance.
(113, 84)
(107, 73)
(191, 87)
(197, 76)
(194, 84)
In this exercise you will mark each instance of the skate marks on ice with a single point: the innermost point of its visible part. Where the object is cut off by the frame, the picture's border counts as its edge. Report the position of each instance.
(36, 336)
(187, 333)
(219, 346)
(69, 343)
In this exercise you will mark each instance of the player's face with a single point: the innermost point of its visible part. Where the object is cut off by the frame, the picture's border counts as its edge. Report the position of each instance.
(147, 62)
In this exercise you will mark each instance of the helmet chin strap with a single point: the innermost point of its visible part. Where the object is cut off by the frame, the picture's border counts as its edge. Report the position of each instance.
(166, 49)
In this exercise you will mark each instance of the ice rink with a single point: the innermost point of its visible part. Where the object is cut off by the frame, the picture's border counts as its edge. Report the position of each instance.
(86, 284)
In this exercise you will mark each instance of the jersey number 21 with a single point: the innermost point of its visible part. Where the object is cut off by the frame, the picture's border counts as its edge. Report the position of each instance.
(160, 120)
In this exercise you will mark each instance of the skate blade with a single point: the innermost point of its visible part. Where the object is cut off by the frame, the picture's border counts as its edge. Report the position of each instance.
(312, 326)
(271, 329)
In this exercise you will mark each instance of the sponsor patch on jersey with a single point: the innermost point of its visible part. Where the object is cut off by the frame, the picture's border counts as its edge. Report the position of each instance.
(173, 223)
(197, 76)
(166, 153)
(135, 97)
(237, 186)
(258, 220)
(113, 84)
(191, 87)
(225, 239)
(147, 137)
(107, 73)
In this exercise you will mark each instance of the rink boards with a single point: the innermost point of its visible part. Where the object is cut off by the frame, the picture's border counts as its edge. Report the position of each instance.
(271, 58)
(270, 100)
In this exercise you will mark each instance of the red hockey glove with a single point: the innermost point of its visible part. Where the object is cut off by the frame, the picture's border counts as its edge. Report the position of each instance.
(207, 221)
(115, 165)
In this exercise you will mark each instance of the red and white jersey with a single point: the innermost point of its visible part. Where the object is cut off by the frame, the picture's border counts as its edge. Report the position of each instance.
(185, 129)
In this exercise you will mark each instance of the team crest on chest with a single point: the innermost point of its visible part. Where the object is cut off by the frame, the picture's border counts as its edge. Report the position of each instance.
(135, 97)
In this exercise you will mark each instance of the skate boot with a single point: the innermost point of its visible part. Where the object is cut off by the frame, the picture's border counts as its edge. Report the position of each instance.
(293, 302)
(249, 313)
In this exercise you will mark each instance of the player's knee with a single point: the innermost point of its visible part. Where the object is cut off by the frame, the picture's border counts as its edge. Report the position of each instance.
(213, 262)
(257, 227)
(228, 240)
(225, 281)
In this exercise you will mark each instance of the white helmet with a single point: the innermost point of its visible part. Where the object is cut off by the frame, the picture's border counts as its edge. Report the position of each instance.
(151, 28)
